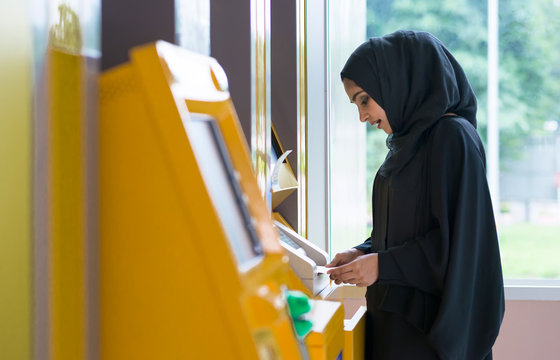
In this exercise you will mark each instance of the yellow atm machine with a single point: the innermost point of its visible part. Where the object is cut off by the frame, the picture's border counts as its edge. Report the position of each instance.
(190, 263)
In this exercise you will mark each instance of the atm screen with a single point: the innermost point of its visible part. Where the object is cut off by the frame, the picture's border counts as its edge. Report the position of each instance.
(224, 189)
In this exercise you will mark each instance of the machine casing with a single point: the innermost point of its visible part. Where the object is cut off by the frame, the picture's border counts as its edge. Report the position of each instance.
(171, 286)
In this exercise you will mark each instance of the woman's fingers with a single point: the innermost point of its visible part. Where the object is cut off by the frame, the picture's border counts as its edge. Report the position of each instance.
(362, 271)
(337, 274)
(344, 257)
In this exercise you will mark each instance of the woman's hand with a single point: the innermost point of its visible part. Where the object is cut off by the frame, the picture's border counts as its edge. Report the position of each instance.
(345, 257)
(362, 271)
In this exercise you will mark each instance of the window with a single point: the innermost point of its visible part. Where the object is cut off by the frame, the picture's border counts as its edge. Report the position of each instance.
(524, 173)
(347, 141)
(193, 25)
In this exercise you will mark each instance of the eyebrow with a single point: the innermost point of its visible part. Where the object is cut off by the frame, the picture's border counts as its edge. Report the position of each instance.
(355, 95)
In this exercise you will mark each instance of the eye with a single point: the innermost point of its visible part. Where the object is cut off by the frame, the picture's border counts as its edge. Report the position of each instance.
(364, 100)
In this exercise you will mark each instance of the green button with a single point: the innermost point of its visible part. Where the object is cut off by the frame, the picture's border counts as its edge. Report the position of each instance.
(303, 327)
(298, 303)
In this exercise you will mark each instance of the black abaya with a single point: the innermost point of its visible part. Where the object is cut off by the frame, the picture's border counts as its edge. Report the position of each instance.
(440, 287)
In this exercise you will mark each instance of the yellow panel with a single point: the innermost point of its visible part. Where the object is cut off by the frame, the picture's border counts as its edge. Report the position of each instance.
(153, 64)
(326, 342)
(66, 207)
(168, 288)
(354, 335)
(15, 181)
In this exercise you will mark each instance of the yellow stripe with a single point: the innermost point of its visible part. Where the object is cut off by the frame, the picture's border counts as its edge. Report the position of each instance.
(302, 116)
(15, 181)
(67, 318)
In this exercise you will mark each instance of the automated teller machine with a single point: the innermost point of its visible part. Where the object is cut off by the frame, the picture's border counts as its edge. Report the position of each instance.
(191, 266)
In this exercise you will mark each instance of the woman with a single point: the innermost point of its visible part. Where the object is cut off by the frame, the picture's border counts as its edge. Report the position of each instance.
(432, 263)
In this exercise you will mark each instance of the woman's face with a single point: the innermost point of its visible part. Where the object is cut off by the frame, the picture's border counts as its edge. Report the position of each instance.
(368, 109)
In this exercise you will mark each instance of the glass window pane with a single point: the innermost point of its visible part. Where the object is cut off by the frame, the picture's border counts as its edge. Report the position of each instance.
(529, 73)
(192, 24)
(347, 146)
(528, 192)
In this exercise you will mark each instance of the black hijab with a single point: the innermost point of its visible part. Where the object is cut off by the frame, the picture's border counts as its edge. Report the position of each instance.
(416, 80)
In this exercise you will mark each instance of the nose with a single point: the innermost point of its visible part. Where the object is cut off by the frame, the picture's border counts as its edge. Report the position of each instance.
(363, 116)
